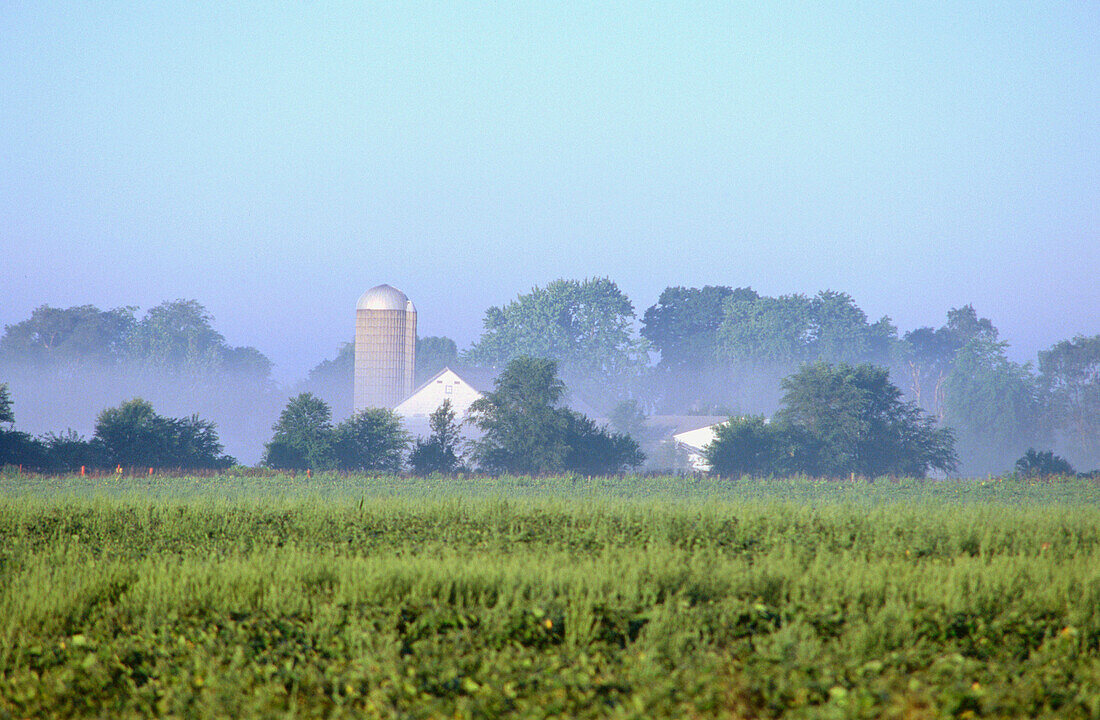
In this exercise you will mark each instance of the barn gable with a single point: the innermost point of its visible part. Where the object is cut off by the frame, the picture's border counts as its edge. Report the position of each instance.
(444, 385)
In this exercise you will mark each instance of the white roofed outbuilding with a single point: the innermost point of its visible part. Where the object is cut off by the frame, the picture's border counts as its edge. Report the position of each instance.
(444, 385)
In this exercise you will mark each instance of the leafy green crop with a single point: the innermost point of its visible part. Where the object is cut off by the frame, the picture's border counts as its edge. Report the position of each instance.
(338, 596)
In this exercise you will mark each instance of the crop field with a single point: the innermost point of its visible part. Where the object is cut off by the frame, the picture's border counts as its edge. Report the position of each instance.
(336, 596)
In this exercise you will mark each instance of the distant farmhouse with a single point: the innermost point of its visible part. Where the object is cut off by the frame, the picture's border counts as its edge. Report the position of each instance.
(690, 435)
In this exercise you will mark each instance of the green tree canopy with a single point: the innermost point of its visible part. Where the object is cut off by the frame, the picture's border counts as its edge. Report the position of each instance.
(993, 405)
(180, 335)
(7, 415)
(526, 431)
(65, 335)
(439, 452)
(523, 428)
(370, 440)
(790, 329)
(134, 435)
(593, 450)
(340, 368)
(175, 335)
(1069, 378)
(68, 452)
(683, 324)
(433, 353)
(749, 445)
(1043, 464)
(16, 448)
(928, 354)
(858, 423)
(303, 436)
(587, 326)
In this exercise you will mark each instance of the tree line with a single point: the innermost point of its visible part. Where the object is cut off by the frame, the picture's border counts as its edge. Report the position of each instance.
(132, 435)
(523, 429)
(713, 350)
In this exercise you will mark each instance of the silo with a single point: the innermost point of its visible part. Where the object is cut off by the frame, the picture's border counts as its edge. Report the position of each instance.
(385, 348)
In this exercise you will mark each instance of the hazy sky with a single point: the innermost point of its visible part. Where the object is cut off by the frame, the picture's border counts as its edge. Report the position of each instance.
(275, 162)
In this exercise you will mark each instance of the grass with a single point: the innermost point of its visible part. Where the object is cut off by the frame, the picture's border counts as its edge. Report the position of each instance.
(563, 597)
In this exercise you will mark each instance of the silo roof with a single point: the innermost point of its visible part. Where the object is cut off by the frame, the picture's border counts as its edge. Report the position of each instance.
(384, 297)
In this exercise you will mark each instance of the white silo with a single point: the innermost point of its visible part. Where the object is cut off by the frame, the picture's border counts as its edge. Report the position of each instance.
(385, 348)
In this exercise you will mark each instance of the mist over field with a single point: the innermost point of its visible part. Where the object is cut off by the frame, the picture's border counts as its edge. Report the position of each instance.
(713, 353)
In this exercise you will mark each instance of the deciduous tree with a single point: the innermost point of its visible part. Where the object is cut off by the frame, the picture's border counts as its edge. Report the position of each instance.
(134, 435)
(859, 423)
(370, 440)
(586, 326)
(303, 436)
(439, 452)
(51, 336)
(526, 430)
(993, 405)
(1042, 464)
(683, 324)
(1069, 379)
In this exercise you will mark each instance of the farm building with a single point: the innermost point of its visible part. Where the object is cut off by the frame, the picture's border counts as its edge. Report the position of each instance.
(690, 434)
(385, 348)
(462, 390)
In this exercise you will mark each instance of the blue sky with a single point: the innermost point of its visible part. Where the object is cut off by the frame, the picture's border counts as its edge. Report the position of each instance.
(275, 162)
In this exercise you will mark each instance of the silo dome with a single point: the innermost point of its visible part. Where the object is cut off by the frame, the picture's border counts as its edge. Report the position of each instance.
(384, 297)
(385, 348)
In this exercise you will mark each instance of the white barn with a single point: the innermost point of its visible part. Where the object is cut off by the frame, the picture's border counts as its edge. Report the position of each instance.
(694, 442)
(426, 399)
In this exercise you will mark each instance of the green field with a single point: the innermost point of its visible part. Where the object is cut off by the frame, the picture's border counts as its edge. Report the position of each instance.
(567, 597)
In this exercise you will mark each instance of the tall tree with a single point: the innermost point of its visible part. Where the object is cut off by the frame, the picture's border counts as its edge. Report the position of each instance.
(840, 332)
(66, 335)
(526, 431)
(767, 330)
(593, 450)
(523, 428)
(68, 452)
(993, 405)
(134, 435)
(16, 448)
(683, 324)
(439, 452)
(860, 424)
(1042, 464)
(749, 445)
(587, 326)
(177, 332)
(302, 436)
(1069, 378)
(790, 329)
(7, 415)
(370, 440)
(433, 353)
(928, 354)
